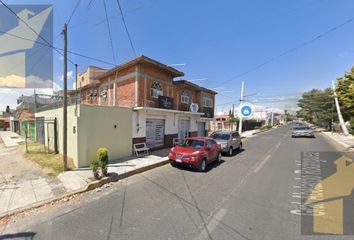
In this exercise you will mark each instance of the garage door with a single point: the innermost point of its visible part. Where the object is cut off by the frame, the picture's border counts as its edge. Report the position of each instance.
(155, 132)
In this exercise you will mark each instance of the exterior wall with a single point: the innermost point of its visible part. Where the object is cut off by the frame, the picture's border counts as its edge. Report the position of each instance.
(72, 136)
(109, 127)
(131, 87)
(126, 93)
(95, 127)
(89, 76)
(171, 124)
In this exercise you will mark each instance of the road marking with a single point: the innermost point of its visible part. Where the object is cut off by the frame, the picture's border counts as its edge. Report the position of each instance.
(260, 165)
(212, 224)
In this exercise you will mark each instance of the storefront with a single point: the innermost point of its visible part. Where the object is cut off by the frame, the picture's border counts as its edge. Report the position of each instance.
(158, 127)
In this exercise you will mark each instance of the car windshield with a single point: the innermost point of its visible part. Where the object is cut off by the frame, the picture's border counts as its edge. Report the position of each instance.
(221, 136)
(190, 143)
(301, 128)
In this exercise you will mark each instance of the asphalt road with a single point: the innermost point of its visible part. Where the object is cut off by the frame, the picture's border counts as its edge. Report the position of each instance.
(251, 195)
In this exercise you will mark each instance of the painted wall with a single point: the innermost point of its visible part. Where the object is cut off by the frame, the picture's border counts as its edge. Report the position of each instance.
(109, 127)
(94, 128)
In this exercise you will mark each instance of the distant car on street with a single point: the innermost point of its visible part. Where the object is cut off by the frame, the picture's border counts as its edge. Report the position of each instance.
(302, 131)
(229, 141)
(196, 153)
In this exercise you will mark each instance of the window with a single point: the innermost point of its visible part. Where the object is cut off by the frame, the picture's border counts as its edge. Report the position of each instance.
(185, 97)
(103, 93)
(156, 90)
(208, 101)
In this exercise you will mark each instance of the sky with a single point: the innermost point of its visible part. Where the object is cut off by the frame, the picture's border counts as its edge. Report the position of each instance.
(224, 41)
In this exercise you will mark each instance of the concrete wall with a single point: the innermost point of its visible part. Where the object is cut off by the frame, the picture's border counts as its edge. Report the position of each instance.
(109, 127)
(72, 137)
(95, 127)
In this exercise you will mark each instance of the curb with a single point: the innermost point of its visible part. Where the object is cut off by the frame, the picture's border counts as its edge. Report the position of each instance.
(346, 146)
(90, 186)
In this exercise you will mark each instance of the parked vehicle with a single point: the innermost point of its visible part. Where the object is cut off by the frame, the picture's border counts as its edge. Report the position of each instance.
(229, 141)
(196, 153)
(302, 131)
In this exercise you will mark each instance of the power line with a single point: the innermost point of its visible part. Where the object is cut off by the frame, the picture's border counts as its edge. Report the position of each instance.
(89, 4)
(32, 29)
(126, 28)
(74, 10)
(290, 50)
(71, 52)
(109, 30)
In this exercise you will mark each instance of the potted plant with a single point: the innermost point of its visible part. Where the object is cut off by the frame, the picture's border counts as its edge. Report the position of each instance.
(94, 167)
(102, 158)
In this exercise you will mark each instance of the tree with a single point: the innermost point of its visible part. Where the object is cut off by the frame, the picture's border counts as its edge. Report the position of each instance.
(316, 106)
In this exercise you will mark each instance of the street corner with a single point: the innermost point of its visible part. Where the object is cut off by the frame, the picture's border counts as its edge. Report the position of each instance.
(327, 198)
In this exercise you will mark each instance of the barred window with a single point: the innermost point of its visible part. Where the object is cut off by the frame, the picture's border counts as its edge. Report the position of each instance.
(156, 90)
(208, 101)
(185, 97)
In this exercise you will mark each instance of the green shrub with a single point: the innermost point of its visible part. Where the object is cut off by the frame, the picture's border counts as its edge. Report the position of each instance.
(102, 157)
(351, 122)
(94, 165)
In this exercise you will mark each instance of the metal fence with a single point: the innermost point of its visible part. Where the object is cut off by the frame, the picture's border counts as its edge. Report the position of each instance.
(47, 134)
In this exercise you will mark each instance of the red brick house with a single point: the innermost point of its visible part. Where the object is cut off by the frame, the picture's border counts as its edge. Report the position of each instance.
(164, 108)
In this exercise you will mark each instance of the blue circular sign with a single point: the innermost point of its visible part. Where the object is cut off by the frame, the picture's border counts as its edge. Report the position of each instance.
(246, 110)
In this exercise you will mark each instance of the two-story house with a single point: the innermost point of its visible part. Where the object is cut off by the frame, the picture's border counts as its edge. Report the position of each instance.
(163, 108)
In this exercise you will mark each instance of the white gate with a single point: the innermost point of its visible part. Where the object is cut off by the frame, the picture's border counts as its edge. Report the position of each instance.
(201, 129)
(183, 129)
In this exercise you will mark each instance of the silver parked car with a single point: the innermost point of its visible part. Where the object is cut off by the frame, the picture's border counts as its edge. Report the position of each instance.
(302, 131)
(229, 141)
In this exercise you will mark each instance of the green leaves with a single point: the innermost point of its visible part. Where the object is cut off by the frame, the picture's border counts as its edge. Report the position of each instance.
(317, 107)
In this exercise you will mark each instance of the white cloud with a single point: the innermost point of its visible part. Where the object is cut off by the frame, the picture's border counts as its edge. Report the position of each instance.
(70, 75)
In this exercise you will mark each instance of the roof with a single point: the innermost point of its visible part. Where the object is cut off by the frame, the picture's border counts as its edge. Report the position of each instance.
(194, 86)
(146, 60)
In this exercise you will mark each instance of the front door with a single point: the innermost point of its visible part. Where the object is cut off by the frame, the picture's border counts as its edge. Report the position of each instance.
(201, 129)
(183, 129)
(155, 131)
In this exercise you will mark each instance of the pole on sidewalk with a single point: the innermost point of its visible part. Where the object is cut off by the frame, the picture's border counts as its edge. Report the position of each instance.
(75, 89)
(271, 120)
(65, 137)
(340, 117)
(241, 100)
(233, 117)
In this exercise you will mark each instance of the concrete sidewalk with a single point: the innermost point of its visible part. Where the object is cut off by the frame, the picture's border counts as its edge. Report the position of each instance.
(11, 139)
(18, 196)
(345, 141)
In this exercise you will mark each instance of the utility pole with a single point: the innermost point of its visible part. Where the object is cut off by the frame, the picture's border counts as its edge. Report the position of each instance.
(241, 100)
(233, 117)
(271, 120)
(35, 100)
(65, 103)
(75, 89)
(340, 117)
